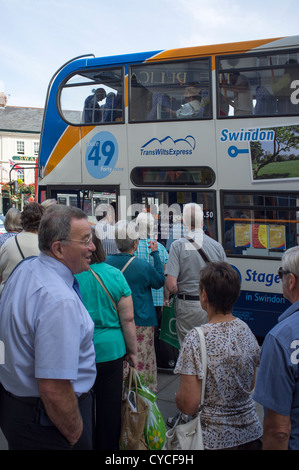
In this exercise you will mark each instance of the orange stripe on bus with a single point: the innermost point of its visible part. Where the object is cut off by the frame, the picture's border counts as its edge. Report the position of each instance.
(217, 49)
(68, 140)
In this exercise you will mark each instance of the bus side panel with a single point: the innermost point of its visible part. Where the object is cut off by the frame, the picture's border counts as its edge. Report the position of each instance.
(104, 156)
(181, 144)
(64, 163)
(97, 156)
(261, 301)
(235, 166)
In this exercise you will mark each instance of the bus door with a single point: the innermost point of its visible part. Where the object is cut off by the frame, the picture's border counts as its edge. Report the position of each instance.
(86, 198)
(167, 209)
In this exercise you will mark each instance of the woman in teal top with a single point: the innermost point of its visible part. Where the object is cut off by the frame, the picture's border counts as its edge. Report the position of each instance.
(114, 340)
(142, 277)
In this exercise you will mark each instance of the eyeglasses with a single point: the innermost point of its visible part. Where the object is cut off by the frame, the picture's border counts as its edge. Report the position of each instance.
(281, 272)
(83, 242)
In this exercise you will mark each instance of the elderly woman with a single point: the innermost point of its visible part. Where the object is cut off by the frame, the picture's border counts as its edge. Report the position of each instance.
(12, 224)
(23, 244)
(114, 339)
(191, 107)
(146, 222)
(229, 419)
(142, 277)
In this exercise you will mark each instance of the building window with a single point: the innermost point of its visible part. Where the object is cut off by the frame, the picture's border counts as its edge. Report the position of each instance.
(20, 147)
(35, 148)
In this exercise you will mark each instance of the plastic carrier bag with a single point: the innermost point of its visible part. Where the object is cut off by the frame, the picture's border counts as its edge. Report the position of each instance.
(168, 332)
(154, 428)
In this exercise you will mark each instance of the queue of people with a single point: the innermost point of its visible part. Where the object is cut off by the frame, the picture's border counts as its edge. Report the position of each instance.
(72, 317)
(114, 339)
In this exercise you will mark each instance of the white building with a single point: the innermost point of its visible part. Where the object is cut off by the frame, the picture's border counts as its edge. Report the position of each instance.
(19, 142)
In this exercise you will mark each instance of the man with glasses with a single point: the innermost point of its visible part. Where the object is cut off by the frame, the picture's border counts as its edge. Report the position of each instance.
(277, 386)
(49, 369)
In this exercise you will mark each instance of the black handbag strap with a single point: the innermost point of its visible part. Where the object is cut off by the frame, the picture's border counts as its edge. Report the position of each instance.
(200, 250)
(19, 247)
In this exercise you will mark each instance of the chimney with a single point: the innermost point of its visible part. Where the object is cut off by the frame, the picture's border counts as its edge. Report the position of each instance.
(3, 99)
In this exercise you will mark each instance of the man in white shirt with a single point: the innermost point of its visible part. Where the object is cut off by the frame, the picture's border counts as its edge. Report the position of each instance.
(49, 369)
(104, 229)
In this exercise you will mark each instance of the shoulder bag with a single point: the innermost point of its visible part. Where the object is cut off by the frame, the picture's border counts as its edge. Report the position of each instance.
(105, 289)
(127, 264)
(102, 284)
(200, 250)
(19, 248)
(188, 436)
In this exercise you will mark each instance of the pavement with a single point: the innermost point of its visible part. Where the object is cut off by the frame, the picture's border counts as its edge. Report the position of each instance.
(168, 384)
(167, 387)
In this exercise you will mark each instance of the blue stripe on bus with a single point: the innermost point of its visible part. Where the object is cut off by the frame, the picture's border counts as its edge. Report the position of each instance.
(50, 139)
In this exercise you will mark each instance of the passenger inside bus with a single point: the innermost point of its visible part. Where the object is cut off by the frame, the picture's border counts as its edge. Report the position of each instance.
(113, 108)
(191, 108)
(265, 101)
(166, 107)
(241, 100)
(282, 88)
(163, 107)
(92, 111)
(140, 101)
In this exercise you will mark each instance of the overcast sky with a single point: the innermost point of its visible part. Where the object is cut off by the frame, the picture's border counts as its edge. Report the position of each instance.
(38, 36)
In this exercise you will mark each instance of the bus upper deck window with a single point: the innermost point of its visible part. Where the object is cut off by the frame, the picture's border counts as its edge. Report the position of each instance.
(93, 97)
(167, 91)
(259, 84)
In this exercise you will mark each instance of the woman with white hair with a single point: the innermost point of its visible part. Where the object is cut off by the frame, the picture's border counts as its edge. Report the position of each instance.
(142, 277)
(146, 227)
(12, 224)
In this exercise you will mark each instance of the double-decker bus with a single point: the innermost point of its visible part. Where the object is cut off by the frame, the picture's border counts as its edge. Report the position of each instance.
(216, 125)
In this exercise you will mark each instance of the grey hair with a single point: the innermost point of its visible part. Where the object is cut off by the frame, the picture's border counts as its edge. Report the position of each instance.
(125, 235)
(146, 224)
(56, 225)
(193, 215)
(12, 222)
(290, 260)
(48, 203)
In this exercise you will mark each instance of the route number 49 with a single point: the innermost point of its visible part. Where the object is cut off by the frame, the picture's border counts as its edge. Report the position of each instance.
(101, 150)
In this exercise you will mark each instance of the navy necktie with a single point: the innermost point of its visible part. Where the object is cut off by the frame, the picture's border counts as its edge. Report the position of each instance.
(77, 288)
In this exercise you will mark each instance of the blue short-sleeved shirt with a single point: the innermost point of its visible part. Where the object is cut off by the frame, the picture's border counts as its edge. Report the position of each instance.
(144, 252)
(46, 330)
(277, 386)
